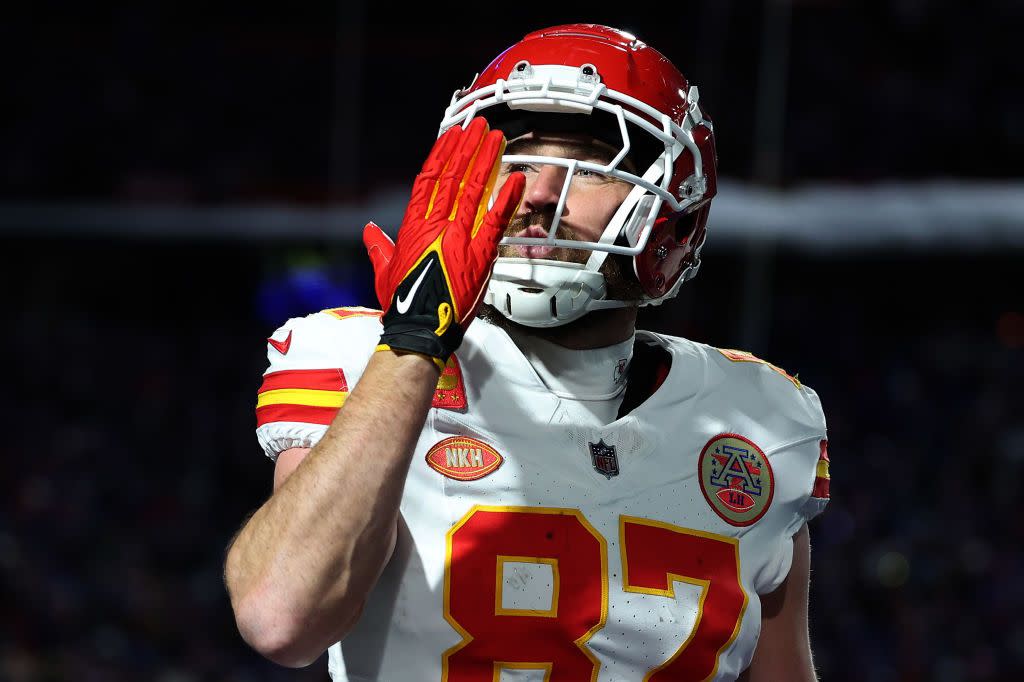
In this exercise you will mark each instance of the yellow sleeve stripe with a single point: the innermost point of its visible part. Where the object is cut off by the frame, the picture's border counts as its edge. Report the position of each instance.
(302, 396)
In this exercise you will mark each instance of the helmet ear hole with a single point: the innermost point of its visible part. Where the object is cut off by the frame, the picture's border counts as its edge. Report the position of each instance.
(684, 227)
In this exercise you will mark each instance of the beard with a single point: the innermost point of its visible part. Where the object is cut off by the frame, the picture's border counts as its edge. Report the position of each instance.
(619, 277)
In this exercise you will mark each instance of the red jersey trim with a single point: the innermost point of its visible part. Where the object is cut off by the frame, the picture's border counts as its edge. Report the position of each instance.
(295, 413)
(343, 313)
(317, 379)
(821, 480)
(451, 391)
(820, 489)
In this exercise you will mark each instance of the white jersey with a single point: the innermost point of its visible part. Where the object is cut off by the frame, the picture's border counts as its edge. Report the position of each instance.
(532, 547)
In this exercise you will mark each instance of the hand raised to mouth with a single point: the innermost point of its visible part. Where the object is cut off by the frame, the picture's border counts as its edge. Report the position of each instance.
(431, 281)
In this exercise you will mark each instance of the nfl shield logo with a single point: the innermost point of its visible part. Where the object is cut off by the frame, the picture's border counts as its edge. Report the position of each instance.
(604, 458)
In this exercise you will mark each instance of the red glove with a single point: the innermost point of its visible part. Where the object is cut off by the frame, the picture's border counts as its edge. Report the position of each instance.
(431, 282)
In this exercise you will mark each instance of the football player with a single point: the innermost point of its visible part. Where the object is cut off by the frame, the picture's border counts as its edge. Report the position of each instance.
(544, 493)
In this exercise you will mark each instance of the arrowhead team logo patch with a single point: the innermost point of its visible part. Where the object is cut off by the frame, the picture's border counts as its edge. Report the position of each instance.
(736, 479)
(463, 458)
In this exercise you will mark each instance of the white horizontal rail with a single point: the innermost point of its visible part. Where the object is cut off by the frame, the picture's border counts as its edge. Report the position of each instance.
(827, 217)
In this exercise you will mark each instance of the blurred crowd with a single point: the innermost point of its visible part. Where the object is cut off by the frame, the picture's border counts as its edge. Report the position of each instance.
(130, 463)
(918, 563)
(130, 460)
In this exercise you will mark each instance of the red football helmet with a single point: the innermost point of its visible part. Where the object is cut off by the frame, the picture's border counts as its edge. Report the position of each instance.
(604, 81)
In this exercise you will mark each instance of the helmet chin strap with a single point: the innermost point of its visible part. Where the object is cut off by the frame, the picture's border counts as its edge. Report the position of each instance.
(538, 293)
(545, 293)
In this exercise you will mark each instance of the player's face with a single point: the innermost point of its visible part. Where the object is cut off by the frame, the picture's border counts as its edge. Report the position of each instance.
(590, 204)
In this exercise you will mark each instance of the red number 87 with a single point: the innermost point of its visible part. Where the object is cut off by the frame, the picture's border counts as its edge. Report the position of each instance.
(654, 554)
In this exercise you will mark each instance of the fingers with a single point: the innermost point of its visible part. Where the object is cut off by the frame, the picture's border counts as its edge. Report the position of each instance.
(494, 224)
(379, 246)
(425, 186)
(456, 170)
(472, 203)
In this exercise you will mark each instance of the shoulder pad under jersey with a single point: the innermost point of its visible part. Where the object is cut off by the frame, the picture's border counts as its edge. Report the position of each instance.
(313, 362)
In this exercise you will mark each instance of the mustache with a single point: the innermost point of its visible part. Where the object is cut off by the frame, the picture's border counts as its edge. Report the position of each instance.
(542, 219)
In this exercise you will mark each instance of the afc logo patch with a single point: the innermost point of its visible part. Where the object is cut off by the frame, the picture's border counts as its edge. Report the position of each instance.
(736, 478)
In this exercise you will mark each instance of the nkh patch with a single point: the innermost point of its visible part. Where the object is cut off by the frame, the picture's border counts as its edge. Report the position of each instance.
(604, 458)
(463, 458)
(736, 478)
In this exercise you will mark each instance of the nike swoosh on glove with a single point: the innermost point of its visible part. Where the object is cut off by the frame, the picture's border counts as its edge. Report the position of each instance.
(431, 281)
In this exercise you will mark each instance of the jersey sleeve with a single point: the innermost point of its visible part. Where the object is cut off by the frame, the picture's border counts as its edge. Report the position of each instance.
(313, 363)
(816, 501)
(801, 486)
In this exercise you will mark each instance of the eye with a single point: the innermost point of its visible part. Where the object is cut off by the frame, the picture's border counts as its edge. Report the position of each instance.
(593, 177)
(509, 168)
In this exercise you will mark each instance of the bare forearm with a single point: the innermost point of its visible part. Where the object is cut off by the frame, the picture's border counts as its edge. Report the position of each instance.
(784, 649)
(307, 558)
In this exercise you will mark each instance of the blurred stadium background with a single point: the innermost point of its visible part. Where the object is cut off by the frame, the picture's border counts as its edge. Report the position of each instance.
(177, 181)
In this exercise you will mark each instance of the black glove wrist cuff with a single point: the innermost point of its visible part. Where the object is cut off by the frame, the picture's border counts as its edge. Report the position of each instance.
(416, 339)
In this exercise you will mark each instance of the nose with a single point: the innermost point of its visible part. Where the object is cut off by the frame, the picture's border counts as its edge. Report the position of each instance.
(543, 189)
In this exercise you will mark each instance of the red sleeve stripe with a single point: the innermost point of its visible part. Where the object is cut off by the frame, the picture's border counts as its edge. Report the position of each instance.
(295, 413)
(821, 478)
(317, 379)
(820, 488)
(342, 313)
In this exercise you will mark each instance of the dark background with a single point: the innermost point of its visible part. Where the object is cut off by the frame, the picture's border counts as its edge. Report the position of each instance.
(133, 357)
(228, 102)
